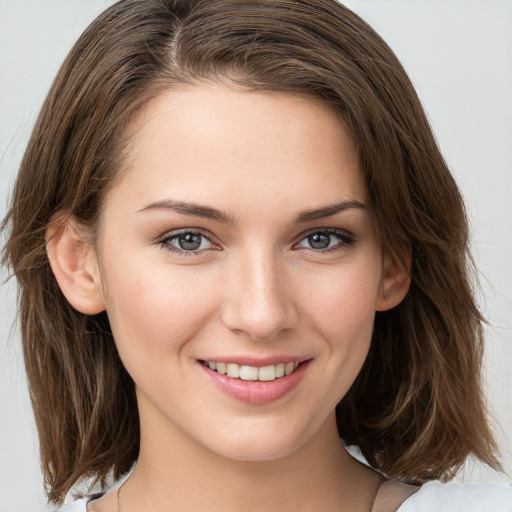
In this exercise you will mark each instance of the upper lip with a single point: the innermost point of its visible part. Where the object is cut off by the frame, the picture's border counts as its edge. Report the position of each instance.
(245, 360)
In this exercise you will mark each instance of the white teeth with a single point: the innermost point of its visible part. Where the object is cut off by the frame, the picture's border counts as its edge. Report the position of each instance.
(248, 373)
(289, 368)
(253, 373)
(233, 370)
(267, 373)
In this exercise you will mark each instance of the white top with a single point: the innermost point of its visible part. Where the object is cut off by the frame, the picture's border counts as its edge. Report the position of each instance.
(437, 497)
(431, 497)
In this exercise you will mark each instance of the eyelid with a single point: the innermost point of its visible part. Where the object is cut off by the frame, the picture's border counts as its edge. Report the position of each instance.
(163, 241)
(348, 239)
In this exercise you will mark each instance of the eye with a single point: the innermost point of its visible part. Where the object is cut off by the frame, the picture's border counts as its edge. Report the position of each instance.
(326, 240)
(186, 242)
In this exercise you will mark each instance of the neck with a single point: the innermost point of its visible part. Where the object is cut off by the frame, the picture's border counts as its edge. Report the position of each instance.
(175, 473)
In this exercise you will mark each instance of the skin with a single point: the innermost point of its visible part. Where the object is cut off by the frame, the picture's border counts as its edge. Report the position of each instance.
(256, 287)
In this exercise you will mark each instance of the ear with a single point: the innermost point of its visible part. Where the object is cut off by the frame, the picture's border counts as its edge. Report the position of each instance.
(395, 281)
(74, 263)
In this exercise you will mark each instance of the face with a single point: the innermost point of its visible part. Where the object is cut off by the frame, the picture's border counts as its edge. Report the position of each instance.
(236, 245)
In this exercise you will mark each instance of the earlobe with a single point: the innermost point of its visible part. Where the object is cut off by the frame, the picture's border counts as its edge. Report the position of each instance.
(395, 282)
(74, 263)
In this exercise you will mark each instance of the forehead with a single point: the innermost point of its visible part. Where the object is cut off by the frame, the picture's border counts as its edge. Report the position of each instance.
(207, 142)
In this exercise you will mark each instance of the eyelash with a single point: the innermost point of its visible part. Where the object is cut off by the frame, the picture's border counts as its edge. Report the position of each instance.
(346, 239)
(165, 242)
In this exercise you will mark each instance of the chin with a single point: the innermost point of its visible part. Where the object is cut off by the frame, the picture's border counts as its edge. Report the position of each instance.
(260, 443)
(257, 452)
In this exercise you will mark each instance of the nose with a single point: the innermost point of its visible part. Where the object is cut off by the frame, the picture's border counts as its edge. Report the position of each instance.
(259, 299)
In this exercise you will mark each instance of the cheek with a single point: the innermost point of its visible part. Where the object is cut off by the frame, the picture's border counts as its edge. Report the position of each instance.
(344, 303)
(343, 318)
(153, 311)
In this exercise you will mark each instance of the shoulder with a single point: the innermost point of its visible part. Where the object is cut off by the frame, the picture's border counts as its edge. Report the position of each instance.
(452, 497)
(80, 505)
(77, 506)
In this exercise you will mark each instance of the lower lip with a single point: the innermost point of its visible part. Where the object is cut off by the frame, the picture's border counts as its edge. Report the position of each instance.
(256, 392)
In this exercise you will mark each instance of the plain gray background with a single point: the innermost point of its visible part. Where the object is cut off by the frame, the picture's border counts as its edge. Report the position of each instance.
(459, 55)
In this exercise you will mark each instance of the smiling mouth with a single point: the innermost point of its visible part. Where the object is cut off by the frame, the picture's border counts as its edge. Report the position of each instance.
(252, 373)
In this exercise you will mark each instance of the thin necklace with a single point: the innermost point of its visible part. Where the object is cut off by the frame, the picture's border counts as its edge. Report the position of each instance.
(119, 496)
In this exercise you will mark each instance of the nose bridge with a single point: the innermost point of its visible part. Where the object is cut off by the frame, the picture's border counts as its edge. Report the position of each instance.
(259, 302)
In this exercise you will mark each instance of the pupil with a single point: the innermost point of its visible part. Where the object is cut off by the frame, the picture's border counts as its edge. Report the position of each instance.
(189, 241)
(319, 240)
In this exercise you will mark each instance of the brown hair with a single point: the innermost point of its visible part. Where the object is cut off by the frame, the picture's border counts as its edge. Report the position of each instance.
(416, 410)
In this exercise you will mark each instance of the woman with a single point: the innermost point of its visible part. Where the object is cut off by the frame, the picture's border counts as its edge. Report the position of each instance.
(245, 247)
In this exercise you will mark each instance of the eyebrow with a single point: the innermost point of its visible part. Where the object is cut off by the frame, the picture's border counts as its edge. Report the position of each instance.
(329, 210)
(207, 212)
(193, 209)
